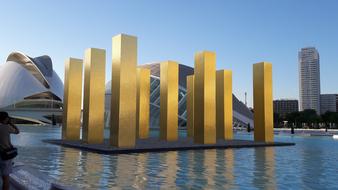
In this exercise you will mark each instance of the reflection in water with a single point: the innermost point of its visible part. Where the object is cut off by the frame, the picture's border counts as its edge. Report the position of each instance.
(125, 166)
(184, 167)
(169, 171)
(203, 169)
(216, 171)
(141, 177)
(69, 165)
(154, 167)
(229, 161)
(311, 164)
(210, 167)
(198, 180)
(93, 165)
(312, 167)
(264, 175)
(81, 165)
(225, 168)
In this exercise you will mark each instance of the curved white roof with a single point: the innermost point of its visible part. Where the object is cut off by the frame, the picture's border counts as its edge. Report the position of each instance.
(22, 76)
(30, 65)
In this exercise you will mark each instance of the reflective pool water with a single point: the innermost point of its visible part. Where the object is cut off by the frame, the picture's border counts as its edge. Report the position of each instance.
(311, 164)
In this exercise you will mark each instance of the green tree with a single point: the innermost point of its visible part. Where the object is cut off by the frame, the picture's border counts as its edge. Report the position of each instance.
(309, 117)
(277, 120)
(334, 118)
(292, 118)
(330, 118)
(327, 118)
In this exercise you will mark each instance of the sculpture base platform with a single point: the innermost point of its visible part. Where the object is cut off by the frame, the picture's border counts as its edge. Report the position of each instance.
(157, 145)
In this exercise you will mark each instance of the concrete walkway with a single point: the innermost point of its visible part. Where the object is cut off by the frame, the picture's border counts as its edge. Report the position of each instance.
(26, 178)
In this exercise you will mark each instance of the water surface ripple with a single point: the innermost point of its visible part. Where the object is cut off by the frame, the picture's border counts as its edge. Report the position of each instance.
(311, 164)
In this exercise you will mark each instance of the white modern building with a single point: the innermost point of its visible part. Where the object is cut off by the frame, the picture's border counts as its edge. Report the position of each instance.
(309, 79)
(328, 102)
(30, 90)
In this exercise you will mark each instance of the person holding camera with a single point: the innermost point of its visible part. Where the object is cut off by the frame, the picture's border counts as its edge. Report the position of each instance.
(7, 151)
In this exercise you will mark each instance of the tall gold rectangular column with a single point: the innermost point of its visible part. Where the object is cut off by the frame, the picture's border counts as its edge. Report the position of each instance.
(72, 99)
(143, 103)
(123, 85)
(263, 102)
(169, 101)
(224, 105)
(94, 90)
(190, 105)
(205, 98)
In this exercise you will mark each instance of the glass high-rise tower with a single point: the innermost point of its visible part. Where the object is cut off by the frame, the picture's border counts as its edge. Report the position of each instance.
(309, 79)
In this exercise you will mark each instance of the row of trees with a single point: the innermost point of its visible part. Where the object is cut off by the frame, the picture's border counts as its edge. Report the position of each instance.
(308, 118)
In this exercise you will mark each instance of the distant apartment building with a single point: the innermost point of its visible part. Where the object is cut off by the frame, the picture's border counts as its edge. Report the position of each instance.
(309, 79)
(328, 102)
(284, 107)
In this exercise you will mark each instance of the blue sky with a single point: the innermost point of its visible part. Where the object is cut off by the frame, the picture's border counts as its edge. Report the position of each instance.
(241, 32)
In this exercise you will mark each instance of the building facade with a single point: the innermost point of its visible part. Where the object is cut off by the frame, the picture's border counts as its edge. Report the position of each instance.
(284, 107)
(30, 90)
(328, 102)
(241, 114)
(309, 79)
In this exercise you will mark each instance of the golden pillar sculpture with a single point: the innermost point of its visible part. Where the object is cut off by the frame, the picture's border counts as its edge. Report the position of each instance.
(72, 99)
(263, 106)
(224, 105)
(190, 105)
(169, 101)
(93, 101)
(143, 103)
(204, 99)
(123, 85)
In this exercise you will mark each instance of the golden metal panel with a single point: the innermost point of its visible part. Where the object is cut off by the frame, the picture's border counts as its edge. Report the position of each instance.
(143, 103)
(72, 99)
(94, 92)
(169, 101)
(263, 106)
(123, 99)
(190, 105)
(205, 98)
(224, 104)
